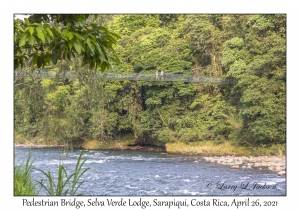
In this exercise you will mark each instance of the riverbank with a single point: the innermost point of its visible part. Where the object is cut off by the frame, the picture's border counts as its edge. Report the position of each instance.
(123, 143)
(227, 153)
(236, 157)
(211, 148)
(277, 164)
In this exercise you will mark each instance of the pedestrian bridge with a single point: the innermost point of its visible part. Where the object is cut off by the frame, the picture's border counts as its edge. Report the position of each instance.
(167, 77)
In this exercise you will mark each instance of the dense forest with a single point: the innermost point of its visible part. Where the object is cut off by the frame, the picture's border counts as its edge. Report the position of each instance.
(249, 48)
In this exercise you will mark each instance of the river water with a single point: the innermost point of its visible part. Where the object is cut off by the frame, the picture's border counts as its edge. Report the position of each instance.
(140, 173)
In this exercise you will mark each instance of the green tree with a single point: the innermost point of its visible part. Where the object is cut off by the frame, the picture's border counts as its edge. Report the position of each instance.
(258, 61)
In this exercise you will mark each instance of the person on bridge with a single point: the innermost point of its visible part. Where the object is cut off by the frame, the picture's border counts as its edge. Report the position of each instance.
(161, 75)
(156, 75)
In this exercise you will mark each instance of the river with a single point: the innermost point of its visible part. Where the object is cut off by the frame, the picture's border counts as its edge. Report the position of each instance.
(141, 173)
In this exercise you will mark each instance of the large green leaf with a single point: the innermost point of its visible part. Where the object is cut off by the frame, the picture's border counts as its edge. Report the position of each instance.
(31, 39)
(31, 30)
(19, 27)
(65, 32)
(47, 37)
(78, 35)
(37, 24)
(57, 30)
(91, 46)
(49, 31)
(70, 35)
(26, 21)
(23, 40)
(40, 34)
(77, 46)
(70, 44)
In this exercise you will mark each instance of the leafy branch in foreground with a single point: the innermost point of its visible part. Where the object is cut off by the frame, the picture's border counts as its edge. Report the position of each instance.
(45, 39)
(63, 180)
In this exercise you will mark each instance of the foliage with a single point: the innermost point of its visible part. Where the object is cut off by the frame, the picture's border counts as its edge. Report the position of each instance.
(42, 39)
(260, 67)
(209, 148)
(249, 48)
(23, 182)
(66, 184)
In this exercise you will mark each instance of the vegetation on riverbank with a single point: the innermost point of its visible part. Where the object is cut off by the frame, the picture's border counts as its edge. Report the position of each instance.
(192, 148)
(226, 148)
(248, 117)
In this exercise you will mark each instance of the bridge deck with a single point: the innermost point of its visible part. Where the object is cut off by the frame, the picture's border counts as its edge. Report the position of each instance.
(133, 76)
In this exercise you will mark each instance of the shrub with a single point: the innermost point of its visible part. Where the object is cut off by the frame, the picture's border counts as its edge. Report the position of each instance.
(166, 135)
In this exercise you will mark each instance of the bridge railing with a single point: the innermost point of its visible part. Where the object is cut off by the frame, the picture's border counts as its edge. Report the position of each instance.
(132, 76)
